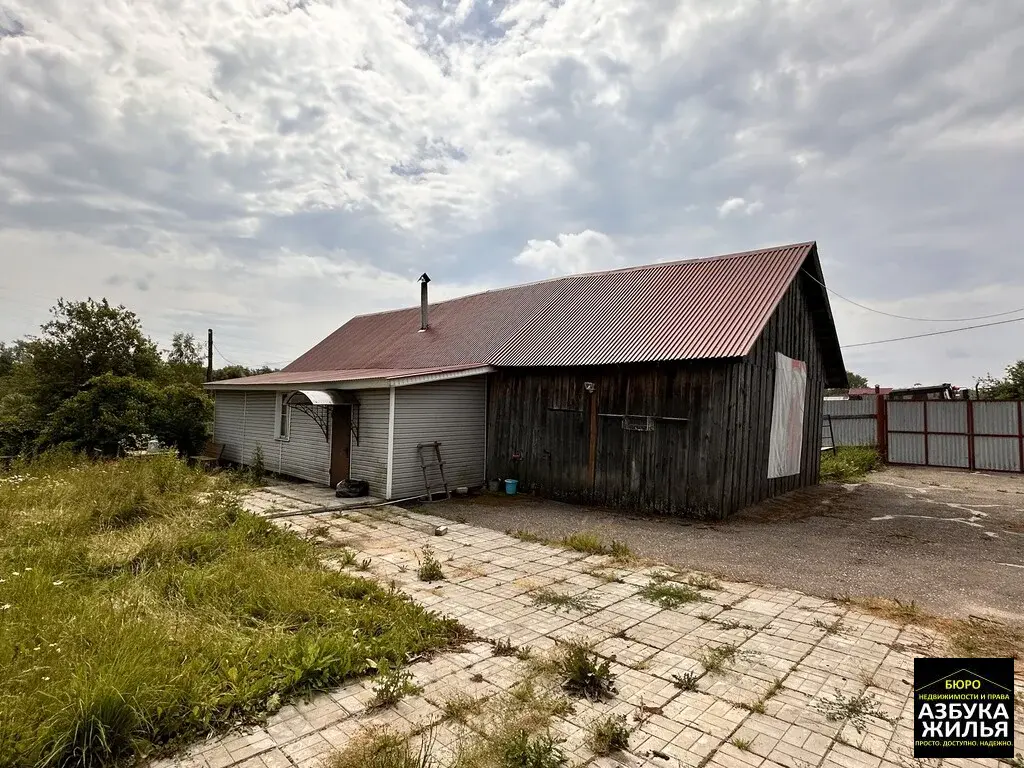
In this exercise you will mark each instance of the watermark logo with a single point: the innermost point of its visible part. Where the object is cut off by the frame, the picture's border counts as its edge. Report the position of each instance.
(963, 708)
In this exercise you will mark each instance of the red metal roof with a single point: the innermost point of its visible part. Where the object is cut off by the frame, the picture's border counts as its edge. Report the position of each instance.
(318, 377)
(696, 309)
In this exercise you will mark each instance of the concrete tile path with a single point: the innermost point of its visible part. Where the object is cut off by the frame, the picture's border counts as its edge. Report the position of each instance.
(767, 707)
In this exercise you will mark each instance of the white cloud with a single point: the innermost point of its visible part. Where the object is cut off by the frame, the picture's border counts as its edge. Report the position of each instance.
(271, 167)
(586, 251)
(739, 205)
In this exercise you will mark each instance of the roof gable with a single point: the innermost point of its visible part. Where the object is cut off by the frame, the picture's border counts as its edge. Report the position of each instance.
(697, 309)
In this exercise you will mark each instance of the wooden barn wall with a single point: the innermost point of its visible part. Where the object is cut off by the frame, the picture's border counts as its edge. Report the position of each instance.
(711, 465)
(750, 390)
(676, 468)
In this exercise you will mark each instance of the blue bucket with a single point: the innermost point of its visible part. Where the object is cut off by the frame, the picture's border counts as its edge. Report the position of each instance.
(510, 487)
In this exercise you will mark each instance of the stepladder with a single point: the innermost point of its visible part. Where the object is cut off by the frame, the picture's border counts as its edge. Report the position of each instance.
(432, 464)
(828, 436)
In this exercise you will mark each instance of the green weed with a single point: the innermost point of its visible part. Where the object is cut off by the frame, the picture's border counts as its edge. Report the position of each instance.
(583, 674)
(430, 567)
(504, 648)
(686, 682)
(703, 581)
(717, 658)
(381, 747)
(853, 709)
(609, 734)
(547, 599)
(848, 463)
(391, 685)
(670, 595)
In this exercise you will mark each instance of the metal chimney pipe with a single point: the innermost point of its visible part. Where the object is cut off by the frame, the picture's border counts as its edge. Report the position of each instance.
(424, 324)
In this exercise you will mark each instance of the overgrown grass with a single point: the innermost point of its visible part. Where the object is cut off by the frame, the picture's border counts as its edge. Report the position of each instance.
(382, 748)
(974, 637)
(849, 462)
(143, 607)
(585, 542)
(592, 544)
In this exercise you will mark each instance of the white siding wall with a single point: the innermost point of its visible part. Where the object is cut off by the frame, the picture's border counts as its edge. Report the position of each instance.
(228, 410)
(243, 420)
(450, 412)
(370, 457)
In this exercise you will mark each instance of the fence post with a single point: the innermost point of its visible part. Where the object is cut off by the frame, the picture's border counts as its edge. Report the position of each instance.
(1020, 432)
(970, 435)
(881, 425)
(924, 412)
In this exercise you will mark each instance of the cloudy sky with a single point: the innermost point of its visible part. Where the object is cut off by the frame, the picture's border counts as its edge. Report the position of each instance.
(272, 167)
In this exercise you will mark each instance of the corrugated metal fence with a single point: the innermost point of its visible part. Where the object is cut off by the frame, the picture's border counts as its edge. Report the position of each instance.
(970, 434)
(854, 422)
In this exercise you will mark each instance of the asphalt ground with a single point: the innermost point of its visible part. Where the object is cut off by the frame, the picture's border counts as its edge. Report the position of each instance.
(951, 541)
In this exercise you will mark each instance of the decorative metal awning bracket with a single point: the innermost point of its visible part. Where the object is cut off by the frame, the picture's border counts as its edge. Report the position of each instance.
(317, 404)
(319, 414)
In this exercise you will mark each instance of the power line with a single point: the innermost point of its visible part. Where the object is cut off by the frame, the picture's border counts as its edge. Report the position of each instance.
(905, 317)
(934, 333)
(229, 362)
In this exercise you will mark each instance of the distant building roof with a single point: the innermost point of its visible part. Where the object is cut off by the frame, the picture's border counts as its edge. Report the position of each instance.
(861, 391)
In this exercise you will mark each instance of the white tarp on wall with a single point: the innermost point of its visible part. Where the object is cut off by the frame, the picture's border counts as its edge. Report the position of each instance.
(787, 437)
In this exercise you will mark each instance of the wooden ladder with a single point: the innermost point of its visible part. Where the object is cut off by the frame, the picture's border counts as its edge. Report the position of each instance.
(428, 464)
(827, 433)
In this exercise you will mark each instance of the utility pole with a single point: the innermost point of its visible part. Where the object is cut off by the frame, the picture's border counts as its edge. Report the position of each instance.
(209, 354)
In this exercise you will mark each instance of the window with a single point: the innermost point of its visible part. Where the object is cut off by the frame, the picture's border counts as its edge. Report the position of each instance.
(284, 416)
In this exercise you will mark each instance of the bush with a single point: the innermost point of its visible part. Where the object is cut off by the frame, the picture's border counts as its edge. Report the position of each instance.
(109, 411)
(112, 410)
(180, 417)
(849, 462)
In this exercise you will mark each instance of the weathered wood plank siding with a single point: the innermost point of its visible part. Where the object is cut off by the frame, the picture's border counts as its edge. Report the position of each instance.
(713, 464)
(752, 388)
(370, 456)
(675, 468)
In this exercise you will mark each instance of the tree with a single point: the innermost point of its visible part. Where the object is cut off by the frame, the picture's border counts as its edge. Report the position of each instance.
(86, 339)
(181, 418)
(853, 381)
(1009, 388)
(186, 359)
(238, 372)
(19, 423)
(103, 416)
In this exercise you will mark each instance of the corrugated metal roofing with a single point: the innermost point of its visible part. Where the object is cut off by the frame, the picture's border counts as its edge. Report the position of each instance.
(287, 376)
(685, 310)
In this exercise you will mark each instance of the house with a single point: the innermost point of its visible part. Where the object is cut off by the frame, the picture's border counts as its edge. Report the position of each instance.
(691, 388)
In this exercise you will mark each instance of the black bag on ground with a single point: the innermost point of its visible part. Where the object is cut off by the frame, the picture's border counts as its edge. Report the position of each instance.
(350, 489)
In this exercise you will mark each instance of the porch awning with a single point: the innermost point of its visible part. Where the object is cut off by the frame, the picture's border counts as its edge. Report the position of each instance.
(321, 397)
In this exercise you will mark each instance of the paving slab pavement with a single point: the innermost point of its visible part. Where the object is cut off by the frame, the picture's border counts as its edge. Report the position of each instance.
(792, 657)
